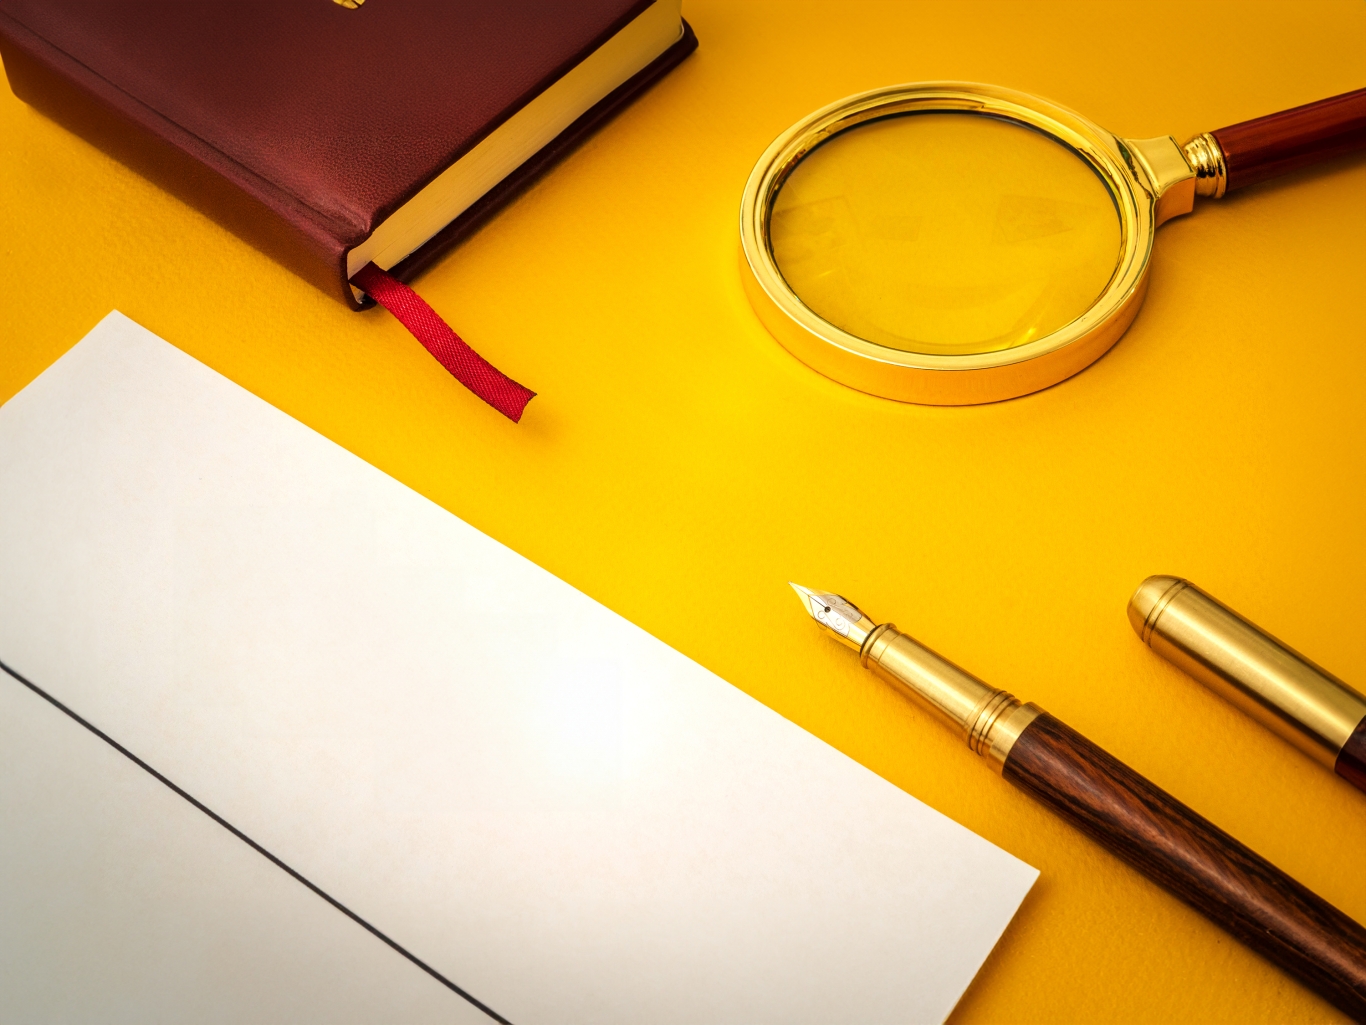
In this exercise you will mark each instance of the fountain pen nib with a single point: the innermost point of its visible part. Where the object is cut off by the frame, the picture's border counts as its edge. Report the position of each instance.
(838, 615)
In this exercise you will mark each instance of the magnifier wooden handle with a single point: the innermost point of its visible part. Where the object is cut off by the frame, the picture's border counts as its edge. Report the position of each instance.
(1277, 143)
(1201, 864)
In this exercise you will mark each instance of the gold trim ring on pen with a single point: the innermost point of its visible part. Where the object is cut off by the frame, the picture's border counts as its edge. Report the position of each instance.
(932, 378)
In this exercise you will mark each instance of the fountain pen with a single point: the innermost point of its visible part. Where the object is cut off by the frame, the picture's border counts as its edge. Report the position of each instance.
(1228, 883)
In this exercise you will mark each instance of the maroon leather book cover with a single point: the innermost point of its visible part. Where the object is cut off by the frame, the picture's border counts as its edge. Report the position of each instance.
(301, 125)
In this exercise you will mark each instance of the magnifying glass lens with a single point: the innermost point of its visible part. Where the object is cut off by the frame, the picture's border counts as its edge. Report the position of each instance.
(945, 233)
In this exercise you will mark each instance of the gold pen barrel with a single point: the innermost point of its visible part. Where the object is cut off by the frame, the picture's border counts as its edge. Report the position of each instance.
(990, 719)
(1281, 689)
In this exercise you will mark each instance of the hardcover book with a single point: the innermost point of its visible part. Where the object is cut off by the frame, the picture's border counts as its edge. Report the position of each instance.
(332, 135)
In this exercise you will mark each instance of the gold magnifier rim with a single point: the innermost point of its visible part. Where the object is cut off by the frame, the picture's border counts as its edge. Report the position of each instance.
(932, 378)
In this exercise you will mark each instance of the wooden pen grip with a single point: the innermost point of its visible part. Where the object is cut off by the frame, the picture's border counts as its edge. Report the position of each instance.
(1226, 882)
(1351, 763)
(1269, 146)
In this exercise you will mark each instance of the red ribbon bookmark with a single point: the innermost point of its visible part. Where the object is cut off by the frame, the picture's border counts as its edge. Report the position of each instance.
(451, 351)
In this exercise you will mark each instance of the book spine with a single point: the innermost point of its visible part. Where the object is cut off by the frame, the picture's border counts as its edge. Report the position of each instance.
(252, 208)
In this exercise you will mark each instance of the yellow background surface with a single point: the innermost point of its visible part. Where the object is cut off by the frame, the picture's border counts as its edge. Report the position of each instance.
(681, 467)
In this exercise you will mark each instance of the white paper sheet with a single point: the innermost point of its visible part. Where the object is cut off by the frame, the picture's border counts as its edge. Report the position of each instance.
(120, 902)
(563, 815)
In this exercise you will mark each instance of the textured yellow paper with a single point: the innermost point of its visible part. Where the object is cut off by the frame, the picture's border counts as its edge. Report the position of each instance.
(681, 467)
(945, 233)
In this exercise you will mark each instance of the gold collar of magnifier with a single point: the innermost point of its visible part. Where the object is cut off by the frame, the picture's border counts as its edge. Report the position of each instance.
(1149, 180)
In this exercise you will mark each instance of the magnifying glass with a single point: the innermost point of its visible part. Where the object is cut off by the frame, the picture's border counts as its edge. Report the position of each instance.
(950, 243)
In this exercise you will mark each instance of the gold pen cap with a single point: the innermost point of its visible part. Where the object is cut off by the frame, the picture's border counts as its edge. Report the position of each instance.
(1278, 687)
